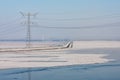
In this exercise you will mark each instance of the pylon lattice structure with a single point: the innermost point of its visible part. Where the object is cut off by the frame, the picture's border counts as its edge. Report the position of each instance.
(28, 22)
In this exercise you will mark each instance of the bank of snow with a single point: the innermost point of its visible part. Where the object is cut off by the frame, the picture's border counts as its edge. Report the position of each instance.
(48, 60)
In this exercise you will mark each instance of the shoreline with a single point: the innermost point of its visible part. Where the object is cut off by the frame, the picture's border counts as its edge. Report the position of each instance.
(59, 57)
(62, 60)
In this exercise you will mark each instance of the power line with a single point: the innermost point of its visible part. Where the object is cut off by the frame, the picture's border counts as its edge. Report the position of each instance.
(10, 28)
(81, 27)
(10, 31)
(84, 18)
(9, 22)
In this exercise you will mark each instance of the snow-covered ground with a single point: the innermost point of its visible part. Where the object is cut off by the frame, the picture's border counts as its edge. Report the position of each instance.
(96, 44)
(49, 58)
(21, 44)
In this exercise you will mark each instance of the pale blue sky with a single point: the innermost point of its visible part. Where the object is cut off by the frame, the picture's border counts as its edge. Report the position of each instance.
(63, 13)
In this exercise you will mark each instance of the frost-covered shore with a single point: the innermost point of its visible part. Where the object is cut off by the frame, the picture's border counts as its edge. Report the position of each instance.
(51, 58)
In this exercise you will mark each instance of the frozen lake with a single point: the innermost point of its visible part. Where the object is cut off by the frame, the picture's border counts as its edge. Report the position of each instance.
(99, 62)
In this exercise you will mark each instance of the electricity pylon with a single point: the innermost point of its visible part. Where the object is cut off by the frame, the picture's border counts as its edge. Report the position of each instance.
(28, 22)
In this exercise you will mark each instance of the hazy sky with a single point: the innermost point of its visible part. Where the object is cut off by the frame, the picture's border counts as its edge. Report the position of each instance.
(102, 14)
